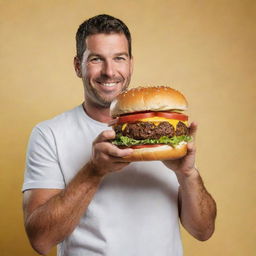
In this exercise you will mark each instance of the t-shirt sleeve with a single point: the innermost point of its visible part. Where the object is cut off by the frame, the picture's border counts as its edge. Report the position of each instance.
(42, 165)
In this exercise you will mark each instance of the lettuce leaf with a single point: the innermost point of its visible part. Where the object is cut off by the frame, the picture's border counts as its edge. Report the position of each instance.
(126, 141)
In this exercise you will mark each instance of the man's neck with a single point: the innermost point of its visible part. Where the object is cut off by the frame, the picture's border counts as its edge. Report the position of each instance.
(100, 114)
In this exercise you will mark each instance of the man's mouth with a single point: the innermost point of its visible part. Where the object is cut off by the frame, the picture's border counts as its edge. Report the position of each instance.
(109, 84)
(112, 84)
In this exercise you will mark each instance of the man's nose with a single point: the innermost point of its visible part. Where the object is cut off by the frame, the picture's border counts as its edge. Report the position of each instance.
(108, 69)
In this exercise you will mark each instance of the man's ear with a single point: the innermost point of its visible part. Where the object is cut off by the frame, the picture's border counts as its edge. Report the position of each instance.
(77, 66)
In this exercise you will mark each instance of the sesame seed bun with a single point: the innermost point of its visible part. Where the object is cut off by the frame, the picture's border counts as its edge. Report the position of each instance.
(159, 98)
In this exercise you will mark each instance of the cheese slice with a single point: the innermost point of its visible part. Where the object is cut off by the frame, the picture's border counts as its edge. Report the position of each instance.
(157, 119)
(123, 126)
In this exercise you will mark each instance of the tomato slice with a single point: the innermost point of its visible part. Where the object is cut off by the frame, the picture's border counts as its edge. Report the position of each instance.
(146, 146)
(134, 117)
(172, 115)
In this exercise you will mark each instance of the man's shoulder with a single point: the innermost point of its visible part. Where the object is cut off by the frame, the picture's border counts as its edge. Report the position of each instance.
(65, 119)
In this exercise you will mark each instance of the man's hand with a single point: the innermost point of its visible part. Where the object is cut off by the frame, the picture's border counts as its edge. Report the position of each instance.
(186, 164)
(107, 157)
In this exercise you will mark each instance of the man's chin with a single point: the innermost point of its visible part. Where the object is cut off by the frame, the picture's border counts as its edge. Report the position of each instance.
(102, 97)
(103, 101)
(106, 99)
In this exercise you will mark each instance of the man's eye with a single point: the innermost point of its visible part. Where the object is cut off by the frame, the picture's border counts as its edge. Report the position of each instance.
(120, 58)
(95, 59)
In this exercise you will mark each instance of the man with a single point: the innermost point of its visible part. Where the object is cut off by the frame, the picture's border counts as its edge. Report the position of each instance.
(81, 195)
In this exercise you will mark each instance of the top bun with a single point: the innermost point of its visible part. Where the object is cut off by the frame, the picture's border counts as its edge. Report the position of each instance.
(158, 98)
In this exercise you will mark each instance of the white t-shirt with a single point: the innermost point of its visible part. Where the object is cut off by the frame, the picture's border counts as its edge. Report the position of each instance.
(134, 212)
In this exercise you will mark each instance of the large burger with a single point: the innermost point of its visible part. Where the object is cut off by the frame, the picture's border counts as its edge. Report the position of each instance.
(151, 121)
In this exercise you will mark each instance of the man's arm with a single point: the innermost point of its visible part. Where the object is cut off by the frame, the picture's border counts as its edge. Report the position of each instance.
(50, 215)
(196, 206)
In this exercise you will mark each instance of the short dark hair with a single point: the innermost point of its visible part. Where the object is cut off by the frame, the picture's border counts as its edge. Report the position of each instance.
(102, 23)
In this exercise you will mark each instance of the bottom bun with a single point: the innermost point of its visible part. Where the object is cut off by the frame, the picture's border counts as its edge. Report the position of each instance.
(164, 152)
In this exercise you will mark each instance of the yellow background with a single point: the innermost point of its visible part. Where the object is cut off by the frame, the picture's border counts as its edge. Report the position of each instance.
(206, 49)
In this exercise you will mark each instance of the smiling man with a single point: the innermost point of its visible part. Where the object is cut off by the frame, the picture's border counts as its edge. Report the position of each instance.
(105, 68)
(80, 193)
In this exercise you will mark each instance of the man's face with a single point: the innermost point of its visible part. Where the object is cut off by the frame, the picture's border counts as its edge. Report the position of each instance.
(106, 68)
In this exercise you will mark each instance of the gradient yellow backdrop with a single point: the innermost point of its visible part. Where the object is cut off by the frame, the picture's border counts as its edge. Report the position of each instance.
(206, 49)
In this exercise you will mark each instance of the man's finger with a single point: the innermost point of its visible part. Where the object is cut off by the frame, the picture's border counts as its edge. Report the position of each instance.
(191, 148)
(105, 136)
(112, 150)
(193, 129)
(119, 153)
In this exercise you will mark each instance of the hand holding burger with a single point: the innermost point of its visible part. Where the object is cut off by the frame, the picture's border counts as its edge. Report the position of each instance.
(151, 121)
(185, 166)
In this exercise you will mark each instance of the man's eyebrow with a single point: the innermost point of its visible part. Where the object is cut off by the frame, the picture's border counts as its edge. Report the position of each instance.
(93, 54)
(122, 53)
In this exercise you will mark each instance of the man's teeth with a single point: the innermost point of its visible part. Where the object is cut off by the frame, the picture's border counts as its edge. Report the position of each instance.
(109, 84)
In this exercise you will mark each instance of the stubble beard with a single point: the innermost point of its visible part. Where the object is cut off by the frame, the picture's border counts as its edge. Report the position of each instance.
(96, 99)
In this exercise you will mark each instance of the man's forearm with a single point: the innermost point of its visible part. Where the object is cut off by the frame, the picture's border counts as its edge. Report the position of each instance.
(197, 207)
(53, 221)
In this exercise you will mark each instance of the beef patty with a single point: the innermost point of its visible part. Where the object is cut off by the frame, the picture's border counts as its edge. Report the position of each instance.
(148, 130)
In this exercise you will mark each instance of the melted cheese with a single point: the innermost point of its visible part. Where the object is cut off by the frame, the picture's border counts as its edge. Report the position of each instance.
(157, 119)
(124, 125)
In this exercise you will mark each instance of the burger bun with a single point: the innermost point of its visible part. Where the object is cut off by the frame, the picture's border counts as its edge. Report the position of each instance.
(159, 98)
(163, 152)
